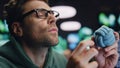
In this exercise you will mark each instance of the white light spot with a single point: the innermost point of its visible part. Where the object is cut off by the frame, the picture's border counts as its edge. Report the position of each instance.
(70, 26)
(65, 11)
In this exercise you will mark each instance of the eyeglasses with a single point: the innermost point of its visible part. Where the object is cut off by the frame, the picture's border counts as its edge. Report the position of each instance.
(41, 13)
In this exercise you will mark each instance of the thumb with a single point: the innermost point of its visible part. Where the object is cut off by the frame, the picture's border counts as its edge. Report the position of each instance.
(93, 64)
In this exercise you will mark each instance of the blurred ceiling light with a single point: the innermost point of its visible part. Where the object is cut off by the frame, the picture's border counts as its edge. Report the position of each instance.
(70, 26)
(65, 11)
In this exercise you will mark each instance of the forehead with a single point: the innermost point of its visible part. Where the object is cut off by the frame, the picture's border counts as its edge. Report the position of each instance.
(34, 4)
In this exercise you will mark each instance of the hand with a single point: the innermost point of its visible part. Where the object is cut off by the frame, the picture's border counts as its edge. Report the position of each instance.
(108, 57)
(80, 58)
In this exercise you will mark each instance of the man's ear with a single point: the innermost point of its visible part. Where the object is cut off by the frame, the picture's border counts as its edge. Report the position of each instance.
(17, 29)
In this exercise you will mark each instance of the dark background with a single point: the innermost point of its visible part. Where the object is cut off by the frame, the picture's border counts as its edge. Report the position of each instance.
(88, 11)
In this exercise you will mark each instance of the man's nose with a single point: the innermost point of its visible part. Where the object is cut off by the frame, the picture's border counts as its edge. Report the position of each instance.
(51, 19)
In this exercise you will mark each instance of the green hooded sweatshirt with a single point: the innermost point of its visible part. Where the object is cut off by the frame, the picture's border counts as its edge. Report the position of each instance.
(12, 55)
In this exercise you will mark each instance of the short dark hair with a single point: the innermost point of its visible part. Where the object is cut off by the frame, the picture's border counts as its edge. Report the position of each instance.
(13, 11)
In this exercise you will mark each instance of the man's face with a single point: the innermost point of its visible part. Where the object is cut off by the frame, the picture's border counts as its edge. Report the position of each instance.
(37, 31)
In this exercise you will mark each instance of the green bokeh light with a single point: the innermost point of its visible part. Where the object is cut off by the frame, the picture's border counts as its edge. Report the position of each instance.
(119, 20)
(2, 26)
(107, 20)
(61, 46)
(84, 32)
(103, 19)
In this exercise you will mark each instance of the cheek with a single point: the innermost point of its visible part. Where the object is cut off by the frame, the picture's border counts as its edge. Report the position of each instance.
(37, 25)
(38, 30)
(35, 33)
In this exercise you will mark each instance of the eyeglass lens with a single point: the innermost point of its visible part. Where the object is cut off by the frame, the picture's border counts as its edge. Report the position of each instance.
(44, 13)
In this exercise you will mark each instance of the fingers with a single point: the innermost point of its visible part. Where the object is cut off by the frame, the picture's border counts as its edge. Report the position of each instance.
(90, 54)
(93, 64)
(93, 38)
(112, 52)
(112, 58)
(114, 46)
(116, 36)
(82, 46)
(81, 56)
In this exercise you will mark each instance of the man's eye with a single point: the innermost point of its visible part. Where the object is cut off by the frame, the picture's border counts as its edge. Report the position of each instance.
(40, 13)
(51, 12)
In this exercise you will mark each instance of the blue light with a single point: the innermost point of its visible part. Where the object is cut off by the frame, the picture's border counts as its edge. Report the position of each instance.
(72, 46)
(73, 38)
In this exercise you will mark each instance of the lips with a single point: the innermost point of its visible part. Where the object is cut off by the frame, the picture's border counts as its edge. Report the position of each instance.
(53, 30)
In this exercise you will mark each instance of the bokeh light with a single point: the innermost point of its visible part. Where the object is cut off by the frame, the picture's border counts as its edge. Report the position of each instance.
(61, 46)
(73, 38)
(119, 20)
(70, 26)
(65, 11)
(107, 20)
(85, 32)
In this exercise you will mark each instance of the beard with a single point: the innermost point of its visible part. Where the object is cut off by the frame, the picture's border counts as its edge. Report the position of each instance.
(38, 42)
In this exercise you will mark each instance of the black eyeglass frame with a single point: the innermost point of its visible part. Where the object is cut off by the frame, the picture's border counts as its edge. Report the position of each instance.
(41, 9)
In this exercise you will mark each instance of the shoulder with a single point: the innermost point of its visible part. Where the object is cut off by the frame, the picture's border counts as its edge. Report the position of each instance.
(4, 63)
(5, 52)
(59, 57)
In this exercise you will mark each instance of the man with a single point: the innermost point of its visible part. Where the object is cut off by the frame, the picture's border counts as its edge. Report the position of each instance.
(32, 25)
